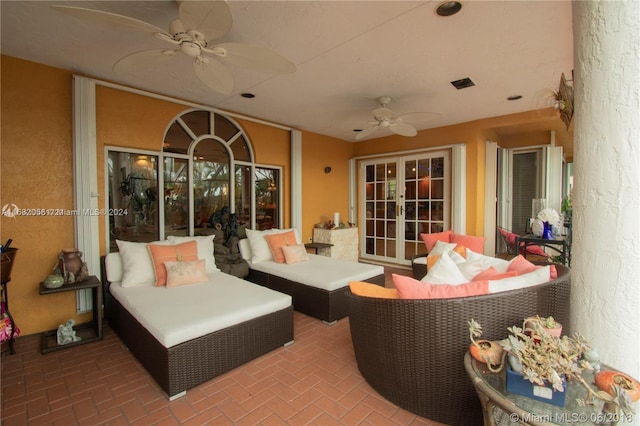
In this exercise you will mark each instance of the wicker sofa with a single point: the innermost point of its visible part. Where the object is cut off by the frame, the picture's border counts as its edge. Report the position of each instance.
(411, 351)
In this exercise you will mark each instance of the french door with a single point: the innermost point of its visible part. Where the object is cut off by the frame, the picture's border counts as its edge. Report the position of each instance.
(403, 197)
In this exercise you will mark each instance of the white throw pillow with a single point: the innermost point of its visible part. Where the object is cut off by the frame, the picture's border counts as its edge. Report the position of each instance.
(260, 250)
(442, 247)
(444, 271)
(501, 265)
(538, 276)
(471, 268)
(137, 265)
(204, 246)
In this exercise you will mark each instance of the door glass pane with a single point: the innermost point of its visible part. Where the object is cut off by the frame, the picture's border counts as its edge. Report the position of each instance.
(176, 196)
(133, 194)
(267, 198)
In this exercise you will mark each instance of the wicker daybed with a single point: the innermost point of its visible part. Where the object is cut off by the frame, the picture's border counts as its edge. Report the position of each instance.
(304, 281)
(412, 351)
(182, 366)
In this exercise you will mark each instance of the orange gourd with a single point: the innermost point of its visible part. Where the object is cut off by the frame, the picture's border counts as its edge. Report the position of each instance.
(487, 351)
(606, 379)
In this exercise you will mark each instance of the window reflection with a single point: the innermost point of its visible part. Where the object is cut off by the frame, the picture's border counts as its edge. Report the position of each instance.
(176, 196)
(206, 165)
(267, 198)
(133, 192)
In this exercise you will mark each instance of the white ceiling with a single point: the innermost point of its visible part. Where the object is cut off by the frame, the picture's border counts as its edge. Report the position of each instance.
(347, 53)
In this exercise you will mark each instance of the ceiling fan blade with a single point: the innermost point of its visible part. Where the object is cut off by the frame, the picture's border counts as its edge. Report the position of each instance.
(211, 18)
(214, 74)
(403, 129)
(144, 60)
(382, 114)
(253, 57)
(366, 132)
(418, 117)
(103, 17)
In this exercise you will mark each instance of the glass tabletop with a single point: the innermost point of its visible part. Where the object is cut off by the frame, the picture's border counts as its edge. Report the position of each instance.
(493, 386)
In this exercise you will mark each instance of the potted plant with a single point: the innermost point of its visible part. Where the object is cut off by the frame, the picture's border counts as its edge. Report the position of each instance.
(547, 324)
(486, 351)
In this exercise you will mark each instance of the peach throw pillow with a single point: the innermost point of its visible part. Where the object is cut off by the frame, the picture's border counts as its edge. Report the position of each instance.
(431, 239)
(186, 272)
(276, 241)
(163, 253)
(409, 288)
(473, 243)
(295, 254)
(492, 273)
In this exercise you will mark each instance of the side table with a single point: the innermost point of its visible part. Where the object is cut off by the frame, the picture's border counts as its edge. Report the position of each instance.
(88, 332)
(318, 246)
(503, 408)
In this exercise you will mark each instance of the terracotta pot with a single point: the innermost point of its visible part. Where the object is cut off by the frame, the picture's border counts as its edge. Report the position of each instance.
(70, 261)
(556, 331)
(605, 379)
(487, 351)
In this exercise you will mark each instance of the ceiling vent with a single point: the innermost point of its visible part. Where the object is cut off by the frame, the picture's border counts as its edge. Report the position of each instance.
(463, 83)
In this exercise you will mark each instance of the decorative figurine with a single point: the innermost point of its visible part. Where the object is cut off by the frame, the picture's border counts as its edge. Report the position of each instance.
(66, 333)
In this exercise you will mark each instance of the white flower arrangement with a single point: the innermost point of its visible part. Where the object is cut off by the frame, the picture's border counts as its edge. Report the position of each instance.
(547, 215)
(551, 216)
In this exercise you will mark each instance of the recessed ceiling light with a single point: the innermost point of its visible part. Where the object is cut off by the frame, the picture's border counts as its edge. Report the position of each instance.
(448, 8)
(463, 83)
(514, 97)
(248, 95)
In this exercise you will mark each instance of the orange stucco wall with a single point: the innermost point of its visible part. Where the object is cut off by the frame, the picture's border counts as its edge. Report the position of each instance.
(36, 173)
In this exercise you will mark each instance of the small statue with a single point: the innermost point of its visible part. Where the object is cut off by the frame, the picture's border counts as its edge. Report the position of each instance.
(66, 333)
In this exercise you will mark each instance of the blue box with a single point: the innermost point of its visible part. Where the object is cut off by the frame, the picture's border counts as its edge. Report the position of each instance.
(517, 384)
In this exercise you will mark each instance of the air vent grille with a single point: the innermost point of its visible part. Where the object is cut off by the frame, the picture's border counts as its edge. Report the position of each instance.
(463, 83)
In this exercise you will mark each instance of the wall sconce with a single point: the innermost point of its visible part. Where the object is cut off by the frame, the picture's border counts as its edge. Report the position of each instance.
(327, 169)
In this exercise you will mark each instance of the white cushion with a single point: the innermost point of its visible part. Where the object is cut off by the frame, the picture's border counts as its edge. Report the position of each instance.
(245, 249)
(137, 265)
(179, 314)
(320, 271)
(538, 276)
(445, 271)
(260, 250)
(204, 246)
(113, 267)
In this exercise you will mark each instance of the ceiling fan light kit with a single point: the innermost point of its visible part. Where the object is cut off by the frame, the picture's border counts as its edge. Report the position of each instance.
(198, 24)
(385, 118)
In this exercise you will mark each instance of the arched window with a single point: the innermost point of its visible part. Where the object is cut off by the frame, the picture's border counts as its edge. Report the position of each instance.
(206, 164)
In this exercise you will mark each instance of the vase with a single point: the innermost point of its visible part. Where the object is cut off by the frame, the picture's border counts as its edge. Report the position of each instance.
(69, 263)
(547, 232)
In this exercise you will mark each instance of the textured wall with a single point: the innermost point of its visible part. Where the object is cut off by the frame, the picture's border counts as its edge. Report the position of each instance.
(606, 264)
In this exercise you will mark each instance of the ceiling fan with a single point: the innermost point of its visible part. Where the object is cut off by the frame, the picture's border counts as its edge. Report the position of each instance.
(398, 124)
(191, 34)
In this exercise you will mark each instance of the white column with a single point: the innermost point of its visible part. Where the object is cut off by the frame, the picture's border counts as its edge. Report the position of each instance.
(606, 264)
(85, 181)
(296, 180)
